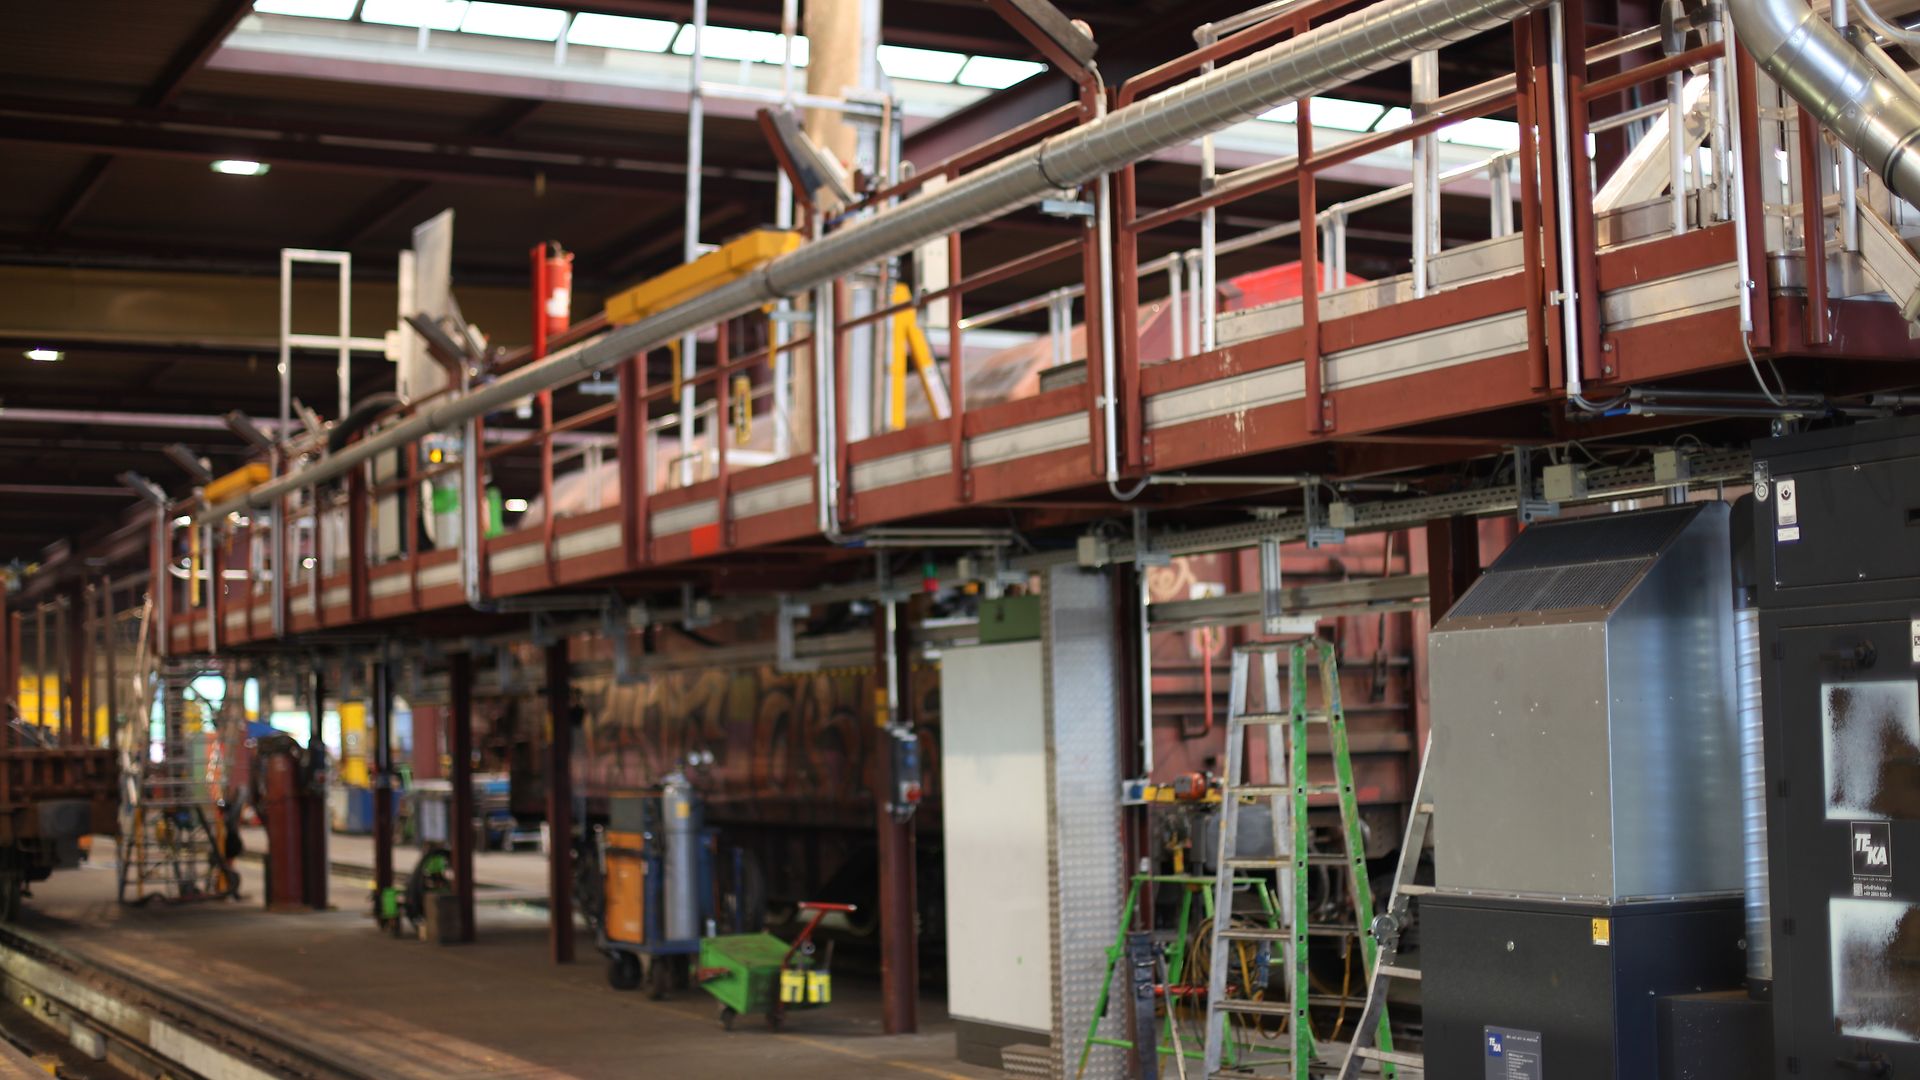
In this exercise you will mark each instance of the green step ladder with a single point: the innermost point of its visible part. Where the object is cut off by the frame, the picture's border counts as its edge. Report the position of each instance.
(1192, 887)
(1289, 801)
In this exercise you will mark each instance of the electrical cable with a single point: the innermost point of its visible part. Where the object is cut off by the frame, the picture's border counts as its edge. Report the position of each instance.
(1779, 402)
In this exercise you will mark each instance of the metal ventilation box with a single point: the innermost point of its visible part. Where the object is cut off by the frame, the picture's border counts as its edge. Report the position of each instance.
(1584, 742)
(1587, 811)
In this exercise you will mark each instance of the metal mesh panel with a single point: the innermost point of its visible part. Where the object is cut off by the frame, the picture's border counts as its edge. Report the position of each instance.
(1551, 588)
(1595, 539)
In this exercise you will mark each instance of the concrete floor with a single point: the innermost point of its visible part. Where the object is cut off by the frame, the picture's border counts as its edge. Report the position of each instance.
(496, 1008)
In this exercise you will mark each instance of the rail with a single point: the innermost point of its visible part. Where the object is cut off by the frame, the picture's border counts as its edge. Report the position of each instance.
(142, 1022)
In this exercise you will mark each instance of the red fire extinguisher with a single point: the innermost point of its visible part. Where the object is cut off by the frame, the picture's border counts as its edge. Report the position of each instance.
(557, 304)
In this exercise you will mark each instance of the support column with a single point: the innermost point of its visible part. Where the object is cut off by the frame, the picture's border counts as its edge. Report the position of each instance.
(9, 659)
(559, 803)
(381, 762)
(12, 628)
(1085, 681)
(428, 721)
(899, 938)
(460, 833)
(79, 667)
(313, 815)
(1453, 561)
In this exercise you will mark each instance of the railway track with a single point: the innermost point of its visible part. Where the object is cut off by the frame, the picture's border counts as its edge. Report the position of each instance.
(116, 1020)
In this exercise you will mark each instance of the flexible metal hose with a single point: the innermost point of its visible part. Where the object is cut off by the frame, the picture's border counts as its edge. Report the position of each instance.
(1878, 118)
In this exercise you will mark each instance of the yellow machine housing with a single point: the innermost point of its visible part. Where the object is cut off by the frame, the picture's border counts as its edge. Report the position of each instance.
(238, 482)
(730, 262)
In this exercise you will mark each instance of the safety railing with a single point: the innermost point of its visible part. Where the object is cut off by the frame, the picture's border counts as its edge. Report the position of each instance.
(630, 451)
(1192, 282)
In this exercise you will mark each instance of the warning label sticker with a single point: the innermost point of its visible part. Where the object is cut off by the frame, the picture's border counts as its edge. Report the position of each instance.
(1872, 844)
(1512, 1054)
(1913, 632)
(1786, 512)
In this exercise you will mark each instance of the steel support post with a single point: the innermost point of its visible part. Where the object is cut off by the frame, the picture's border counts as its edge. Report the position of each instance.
(559, 803)
(313, 817)
(12, 693)
(1453, 561)
(9, 659)
(1084, 684)
(428, 720)
(79, 663)
(460, 831)
(382, 687)
(899, 938)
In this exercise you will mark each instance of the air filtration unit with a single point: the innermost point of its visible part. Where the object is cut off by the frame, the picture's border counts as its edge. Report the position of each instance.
(1586, 778)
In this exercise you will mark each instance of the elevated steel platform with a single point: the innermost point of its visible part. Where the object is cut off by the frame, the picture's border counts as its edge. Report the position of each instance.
(1634, 304)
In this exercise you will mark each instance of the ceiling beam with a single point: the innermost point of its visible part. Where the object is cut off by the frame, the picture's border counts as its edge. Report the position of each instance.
(194, 54)
(373, 149)
(188, 59)
(376, 211)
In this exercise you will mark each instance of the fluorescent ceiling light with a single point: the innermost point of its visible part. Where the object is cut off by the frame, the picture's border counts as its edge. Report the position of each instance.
(514, 506)
(733, 43)
(621, 32)
(513, 21)
(235, 167)
(922, 65)
(997, 72)
(46, 356)
(308, 9)
(1485, 132)
(1282, 114)
(433, 14)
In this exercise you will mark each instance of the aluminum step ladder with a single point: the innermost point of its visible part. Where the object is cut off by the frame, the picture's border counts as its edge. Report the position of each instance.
(173, 830)
(1386, 932)
(1289, 801)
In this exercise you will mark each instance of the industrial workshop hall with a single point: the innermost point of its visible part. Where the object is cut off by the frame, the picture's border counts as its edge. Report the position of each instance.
(1079, 539)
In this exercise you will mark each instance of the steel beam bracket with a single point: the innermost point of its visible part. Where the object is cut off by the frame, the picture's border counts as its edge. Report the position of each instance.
(1320, 531)
(1529, 508)
(1144, 554)
(786, 659)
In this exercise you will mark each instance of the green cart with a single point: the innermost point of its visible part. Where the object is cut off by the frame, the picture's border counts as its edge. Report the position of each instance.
(760, 974)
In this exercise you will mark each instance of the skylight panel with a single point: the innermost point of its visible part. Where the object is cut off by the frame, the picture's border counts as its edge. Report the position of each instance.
(621, 32)
(923, 65)
(733, 43)
(513, 21)
(308, 9)
(997, 72)
(433, 14)
(1484, 132)
(1339, 114)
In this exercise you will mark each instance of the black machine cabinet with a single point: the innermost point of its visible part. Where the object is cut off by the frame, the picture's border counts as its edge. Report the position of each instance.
(1837, 578)
(1581, 987)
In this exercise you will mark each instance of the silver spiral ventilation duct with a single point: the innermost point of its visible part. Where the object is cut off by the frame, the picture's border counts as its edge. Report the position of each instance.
(1878, 118)
(1753, 795)
(1339, 52)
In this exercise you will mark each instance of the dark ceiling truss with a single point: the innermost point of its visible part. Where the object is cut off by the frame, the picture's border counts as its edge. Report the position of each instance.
(371, 150)
(188, 59)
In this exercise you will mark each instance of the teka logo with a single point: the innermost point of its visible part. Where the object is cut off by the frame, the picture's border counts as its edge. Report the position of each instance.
(1494, 1049)
(1872, 849)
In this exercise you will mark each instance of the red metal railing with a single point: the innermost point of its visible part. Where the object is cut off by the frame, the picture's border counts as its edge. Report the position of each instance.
(734, 351)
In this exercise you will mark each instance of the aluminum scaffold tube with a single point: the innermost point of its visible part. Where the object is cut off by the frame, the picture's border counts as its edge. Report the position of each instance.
(1336, 53)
